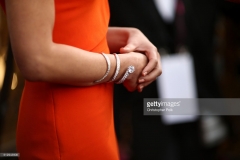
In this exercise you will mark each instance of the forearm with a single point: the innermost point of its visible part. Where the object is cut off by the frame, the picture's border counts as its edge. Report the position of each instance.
(73, 66)
(69, 65)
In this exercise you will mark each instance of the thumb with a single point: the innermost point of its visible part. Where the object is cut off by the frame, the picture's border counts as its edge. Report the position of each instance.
(127, 48)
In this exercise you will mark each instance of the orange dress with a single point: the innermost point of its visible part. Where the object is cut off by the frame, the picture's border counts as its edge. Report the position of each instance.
(67, 122)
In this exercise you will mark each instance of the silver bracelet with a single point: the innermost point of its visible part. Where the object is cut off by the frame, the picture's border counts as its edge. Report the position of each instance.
(130, 70)
(108, 68)
(117, 67)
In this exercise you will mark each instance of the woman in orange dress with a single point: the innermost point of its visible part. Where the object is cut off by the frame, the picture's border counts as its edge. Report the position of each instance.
(65, 113)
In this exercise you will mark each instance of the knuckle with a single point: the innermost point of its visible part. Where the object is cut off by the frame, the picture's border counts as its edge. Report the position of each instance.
(154, 50)
(160, 72)
(155, 61)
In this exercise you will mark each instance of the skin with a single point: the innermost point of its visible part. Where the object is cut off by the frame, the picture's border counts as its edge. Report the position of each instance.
(135, 41)
(41, 59)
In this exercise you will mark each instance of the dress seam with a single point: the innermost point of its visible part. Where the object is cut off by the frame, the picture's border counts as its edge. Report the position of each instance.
(54, 105)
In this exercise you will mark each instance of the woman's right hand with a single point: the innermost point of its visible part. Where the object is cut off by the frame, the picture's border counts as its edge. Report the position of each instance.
(139, 61)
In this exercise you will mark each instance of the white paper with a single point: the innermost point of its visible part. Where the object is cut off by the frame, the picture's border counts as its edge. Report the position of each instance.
(178, 81)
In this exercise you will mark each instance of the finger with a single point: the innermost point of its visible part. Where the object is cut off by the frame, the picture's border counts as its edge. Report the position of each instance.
(150, 67)
(151, 76)
(140, 90)
(154, 60)
(141, 86)
(128, 48)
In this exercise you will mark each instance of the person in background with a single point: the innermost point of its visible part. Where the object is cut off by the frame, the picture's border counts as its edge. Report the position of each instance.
(151, 139)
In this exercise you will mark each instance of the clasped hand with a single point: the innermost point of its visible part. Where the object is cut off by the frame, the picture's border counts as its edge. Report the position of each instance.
(148, 66)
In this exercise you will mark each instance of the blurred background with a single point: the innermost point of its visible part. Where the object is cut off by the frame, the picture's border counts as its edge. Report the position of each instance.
(208, 31)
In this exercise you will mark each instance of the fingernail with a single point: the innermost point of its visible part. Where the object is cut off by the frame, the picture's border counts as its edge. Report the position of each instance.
(145, 73)
(141, 80)
(126, 48)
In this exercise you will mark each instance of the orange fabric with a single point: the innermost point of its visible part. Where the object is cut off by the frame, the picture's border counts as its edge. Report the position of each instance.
(66, 122)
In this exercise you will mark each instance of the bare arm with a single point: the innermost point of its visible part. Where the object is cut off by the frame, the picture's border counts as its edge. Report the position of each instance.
(40, 59)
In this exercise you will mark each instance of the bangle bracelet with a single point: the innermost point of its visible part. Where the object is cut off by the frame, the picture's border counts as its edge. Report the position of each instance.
(108, 68)
(117, 67)
(130, 70)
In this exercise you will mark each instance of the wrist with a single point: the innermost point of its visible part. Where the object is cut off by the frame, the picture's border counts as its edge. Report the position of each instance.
(129, 71)
(109, 67)
(125, 62)
(112, 69)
